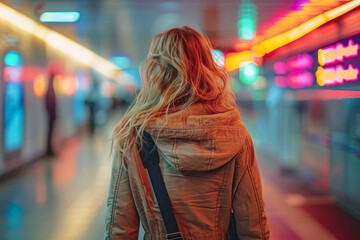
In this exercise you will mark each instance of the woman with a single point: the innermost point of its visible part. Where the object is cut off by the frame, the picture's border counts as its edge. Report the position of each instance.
(206, 154)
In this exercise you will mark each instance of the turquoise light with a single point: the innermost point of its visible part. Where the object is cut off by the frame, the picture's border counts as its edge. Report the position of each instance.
(13, 58)
(218, 56)
(60, 17)
(121, 62)
(247, 20)
(249, 73)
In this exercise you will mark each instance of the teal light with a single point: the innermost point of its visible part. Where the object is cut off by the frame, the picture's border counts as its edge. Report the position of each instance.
(122, 62)
(218, 56)
(60, 17)
(247, 20)
(13, 58)
(249, 73)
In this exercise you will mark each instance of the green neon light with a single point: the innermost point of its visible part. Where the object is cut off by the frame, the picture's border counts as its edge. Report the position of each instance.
(249, 73)
(247, 20)
(60, 17)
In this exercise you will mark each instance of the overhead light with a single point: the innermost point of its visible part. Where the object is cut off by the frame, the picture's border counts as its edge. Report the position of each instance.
(59, 17)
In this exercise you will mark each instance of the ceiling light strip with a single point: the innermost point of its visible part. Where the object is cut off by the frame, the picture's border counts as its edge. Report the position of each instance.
(59, 42)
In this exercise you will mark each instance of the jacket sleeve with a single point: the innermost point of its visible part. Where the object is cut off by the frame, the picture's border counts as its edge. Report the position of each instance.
(122, 221)
(248, 204)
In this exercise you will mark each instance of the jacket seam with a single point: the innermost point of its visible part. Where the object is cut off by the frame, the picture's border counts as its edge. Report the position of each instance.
(175, 155)
(114, 200)
(219, 196)
(255, 193)
(212, 153)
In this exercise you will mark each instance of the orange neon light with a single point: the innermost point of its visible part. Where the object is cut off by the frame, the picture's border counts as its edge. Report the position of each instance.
(282, 39)
(39, 85)
(233, 61)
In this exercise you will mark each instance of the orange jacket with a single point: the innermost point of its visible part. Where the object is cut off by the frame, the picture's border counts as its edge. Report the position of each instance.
(209, 166)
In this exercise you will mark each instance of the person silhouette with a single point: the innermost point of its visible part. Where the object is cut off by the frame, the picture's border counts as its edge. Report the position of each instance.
(50, 105)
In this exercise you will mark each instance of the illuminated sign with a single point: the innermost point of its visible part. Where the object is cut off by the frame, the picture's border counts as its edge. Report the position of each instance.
(60, 17)
(337, 53)
(294, 72)
(331, 66)
(14, 102)
(340, 73)
(79, 108)
(336, 75)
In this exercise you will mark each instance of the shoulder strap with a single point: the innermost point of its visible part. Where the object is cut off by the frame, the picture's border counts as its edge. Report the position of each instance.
(150, 160)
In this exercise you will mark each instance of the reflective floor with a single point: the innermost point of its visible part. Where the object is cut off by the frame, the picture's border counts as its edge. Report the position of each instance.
(64, 198)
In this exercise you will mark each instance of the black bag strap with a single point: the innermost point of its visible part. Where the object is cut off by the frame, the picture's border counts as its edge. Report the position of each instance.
(150, 160)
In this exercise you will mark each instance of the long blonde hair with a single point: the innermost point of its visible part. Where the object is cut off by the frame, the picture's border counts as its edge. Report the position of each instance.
(178, 72)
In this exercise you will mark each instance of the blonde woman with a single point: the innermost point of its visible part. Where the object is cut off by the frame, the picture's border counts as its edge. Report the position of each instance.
(207, 157)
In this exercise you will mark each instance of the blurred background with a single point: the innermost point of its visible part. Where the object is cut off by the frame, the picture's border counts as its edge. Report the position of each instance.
(69, 70)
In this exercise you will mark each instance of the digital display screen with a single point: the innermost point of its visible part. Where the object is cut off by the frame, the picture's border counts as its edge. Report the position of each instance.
(79, 109)
(13, 102)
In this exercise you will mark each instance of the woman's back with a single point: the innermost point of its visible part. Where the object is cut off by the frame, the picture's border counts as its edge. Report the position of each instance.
(206, 154)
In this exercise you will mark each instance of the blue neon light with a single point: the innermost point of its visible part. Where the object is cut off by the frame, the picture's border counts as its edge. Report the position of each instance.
(218, 56)
(13, 58)
(122, 62)
(14, 102)
(60, 17)
(14, 116)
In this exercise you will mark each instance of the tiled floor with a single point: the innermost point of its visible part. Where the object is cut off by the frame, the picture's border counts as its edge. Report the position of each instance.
(64, 198)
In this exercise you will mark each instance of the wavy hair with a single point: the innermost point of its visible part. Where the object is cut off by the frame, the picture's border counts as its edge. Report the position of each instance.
(178, 72)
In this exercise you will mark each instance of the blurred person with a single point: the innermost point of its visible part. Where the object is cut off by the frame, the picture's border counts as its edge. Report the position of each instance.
(92, 101)
(207, 156)
(50, 106)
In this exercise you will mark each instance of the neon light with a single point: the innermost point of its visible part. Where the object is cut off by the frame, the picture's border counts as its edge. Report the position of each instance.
(233, 60)
(122, 62)
(249, 73)
(280, 67)
(13, 58)
(69, 85)
(281, 81)
(39, 86)
(336, 75)
(282, 39)
(337, 53)
(300, 62)
(60, 17)
(247, 20)
(14, 102)
(218, 56)
(300, 80)
(58, 84)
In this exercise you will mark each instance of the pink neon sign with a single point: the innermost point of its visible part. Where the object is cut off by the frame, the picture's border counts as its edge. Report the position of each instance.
(294, 72)
(300, 62)
(337, 53)
(336, 75)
